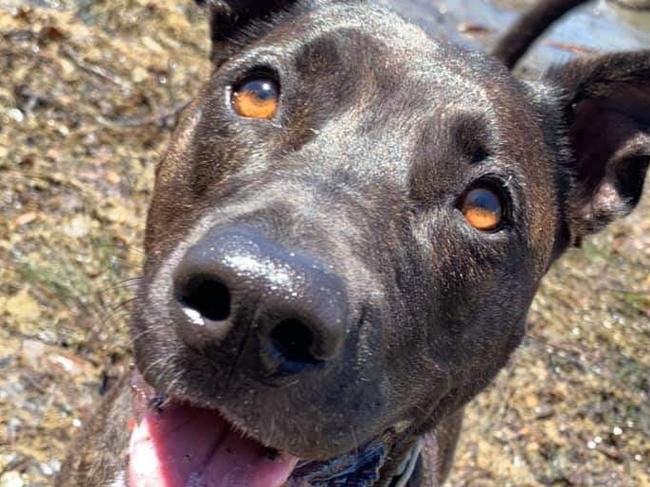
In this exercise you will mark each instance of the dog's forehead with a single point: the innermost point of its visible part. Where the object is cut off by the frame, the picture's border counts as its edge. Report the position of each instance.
(411, 84)
(413, 75)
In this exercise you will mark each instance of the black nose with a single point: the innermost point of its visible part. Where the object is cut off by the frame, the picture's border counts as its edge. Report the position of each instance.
(235, 279)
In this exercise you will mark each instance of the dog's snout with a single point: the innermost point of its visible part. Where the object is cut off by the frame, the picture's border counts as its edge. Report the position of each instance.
(286, 306)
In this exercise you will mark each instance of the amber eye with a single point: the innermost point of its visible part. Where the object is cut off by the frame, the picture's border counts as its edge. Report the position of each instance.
(483, 209)
(256, 98)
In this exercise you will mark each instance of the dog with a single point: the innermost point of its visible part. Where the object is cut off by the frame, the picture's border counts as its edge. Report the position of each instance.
(345, 237)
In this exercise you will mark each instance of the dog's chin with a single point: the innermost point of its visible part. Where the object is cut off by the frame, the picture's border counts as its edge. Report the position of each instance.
(177, 444)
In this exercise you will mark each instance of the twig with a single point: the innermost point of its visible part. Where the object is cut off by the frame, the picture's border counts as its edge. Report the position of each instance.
(153, 119)
(625, 291)
(575, 49)
(95, 70)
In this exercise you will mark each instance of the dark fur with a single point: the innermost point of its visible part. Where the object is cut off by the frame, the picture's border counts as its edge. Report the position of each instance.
(380, 133)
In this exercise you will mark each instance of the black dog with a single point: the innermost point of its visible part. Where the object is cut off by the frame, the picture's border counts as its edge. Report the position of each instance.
(344, 241)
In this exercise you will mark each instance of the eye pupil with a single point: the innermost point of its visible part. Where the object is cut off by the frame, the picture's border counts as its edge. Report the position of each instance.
(256, 98)
(264, 90)
(483, 209)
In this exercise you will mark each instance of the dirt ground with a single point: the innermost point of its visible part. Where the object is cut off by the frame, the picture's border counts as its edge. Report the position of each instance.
(88, 97)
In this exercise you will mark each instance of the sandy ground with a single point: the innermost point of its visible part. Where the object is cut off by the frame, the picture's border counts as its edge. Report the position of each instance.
(88, 99)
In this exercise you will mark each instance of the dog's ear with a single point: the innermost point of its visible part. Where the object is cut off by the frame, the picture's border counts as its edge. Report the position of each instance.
(231, 18)
(606, 108)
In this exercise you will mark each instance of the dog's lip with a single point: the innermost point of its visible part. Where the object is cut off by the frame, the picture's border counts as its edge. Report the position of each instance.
(358, 468)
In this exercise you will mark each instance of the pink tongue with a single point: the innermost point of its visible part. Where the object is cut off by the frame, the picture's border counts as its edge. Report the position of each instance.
(189, 447)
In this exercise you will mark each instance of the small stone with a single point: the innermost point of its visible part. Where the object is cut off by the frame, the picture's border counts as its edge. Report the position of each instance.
(544, 412)
(113, 177)
(33, 352)
(139, 74)
(11, 479)
(531, 401)
(16, 115)
(79, 226)
(23, 306)
(25, 218)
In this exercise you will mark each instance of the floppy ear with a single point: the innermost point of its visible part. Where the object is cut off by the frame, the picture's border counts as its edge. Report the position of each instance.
(231, 18)
(606, 104)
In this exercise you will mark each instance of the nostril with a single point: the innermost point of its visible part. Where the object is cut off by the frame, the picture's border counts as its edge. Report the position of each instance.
(293, 341)
(207, 296)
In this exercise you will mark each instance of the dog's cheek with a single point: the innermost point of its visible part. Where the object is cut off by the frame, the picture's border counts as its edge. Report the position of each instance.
(484, 291)
(170, 184)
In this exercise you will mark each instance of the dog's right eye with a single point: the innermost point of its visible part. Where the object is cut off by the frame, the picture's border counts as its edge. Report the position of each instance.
(256, 98)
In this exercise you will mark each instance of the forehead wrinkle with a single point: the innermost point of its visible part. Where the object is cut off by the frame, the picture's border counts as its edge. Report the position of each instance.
(367, 156)
(307, 27)
(375, 141)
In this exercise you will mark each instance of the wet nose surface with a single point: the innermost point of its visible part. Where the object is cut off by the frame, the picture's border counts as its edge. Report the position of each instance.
(235, 278)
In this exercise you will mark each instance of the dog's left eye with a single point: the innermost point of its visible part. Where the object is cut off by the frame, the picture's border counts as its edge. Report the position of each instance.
(257, 98)
(483, 208)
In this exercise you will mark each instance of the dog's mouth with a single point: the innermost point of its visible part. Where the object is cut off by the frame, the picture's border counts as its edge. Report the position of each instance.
(174, 444)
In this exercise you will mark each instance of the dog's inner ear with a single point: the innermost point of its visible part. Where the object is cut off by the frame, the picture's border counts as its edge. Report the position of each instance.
(230, 18)
(607, 111)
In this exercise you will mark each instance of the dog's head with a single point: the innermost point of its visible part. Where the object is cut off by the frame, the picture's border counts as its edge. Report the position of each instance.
(353, 218)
